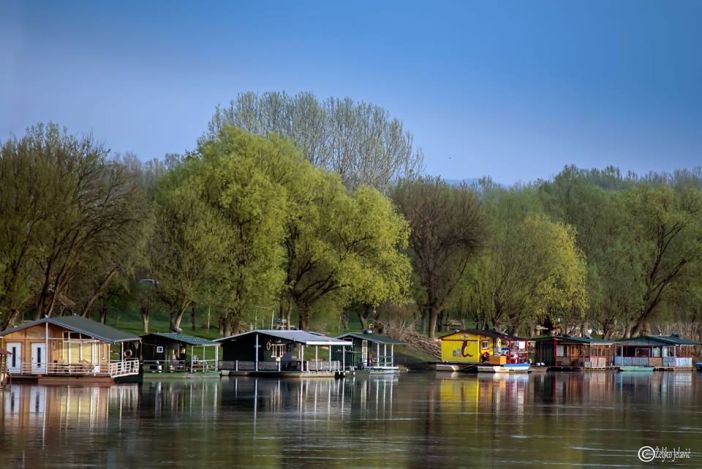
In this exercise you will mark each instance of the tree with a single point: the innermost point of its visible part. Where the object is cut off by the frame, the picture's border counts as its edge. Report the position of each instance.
(667, 225)
(188, 242)
(359, 141)
(68, 205)
(447, 229)
(252, 208)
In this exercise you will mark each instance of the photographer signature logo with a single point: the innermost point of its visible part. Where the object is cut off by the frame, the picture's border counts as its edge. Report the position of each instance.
(649, 454)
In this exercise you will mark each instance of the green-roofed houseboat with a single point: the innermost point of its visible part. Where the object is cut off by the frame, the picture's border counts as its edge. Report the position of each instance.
(179, 355)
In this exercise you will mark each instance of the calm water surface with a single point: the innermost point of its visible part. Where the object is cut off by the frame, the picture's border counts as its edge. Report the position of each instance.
(415, 420)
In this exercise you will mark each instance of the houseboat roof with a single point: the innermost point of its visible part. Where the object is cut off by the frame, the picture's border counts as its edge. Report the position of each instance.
(493, 334)
(85, 326)
(656, 341)
(376, 339)
(300, 337)
(176, 337)
(573, 339)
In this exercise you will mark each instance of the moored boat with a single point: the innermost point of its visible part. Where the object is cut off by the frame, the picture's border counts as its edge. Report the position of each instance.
(699, 366)
(506, 368)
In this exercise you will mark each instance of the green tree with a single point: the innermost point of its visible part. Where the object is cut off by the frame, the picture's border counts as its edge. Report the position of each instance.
(68, 204)
(447, 229)
(188, 243)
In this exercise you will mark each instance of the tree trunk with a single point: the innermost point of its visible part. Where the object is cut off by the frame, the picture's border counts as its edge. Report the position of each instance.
(434, 316)
(177, 317)
(225, 326)
(99, 291)
(362, 313)
(10, 319)
(103, 313)
(193, 323)
(145, 317)
(304, 320)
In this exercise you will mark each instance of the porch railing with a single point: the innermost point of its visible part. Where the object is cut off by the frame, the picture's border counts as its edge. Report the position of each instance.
(167, 366)
(308, 366)
(113, 369)
(124, 368)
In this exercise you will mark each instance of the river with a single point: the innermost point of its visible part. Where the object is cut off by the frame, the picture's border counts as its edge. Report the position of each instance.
(414, 420)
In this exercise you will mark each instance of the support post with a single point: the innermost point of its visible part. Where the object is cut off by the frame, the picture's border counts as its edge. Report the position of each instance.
(377, 354)
(216, 358)
(330, 358)
(302, 357)
(256, 351)
(392, 354)
(192, 357)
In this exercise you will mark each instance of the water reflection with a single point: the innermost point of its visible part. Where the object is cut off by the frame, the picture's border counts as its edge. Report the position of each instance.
(416, 420)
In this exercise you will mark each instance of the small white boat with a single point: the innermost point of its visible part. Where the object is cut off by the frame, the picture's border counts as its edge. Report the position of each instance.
(450, 367)
(381, 370)
(506, 368)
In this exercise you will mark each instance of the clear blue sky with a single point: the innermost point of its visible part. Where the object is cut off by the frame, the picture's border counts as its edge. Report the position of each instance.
(514, 90)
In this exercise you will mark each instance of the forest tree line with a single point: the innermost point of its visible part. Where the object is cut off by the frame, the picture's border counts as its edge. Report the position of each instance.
(318, 212)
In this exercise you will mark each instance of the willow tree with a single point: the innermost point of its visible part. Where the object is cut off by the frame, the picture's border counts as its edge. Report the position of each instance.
(530, 273)
(447, 230)
(357, 140)
(295, 230)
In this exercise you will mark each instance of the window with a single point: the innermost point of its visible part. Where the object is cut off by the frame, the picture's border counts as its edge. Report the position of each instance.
(484, 344)
(159, 349)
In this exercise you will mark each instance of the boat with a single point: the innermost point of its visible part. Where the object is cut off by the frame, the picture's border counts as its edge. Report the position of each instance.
(699, 366)
(506, 368)
(454, 367)
(636, 369)
(379, 370)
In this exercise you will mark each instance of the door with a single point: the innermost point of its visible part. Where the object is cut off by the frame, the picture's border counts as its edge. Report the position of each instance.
(14, 364)
(38, 358)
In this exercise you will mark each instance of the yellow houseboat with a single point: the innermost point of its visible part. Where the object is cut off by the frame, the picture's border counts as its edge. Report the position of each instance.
(470, 347)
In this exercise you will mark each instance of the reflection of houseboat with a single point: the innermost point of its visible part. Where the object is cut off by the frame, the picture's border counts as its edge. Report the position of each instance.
(660, 352)
(275, 352)
(179, 355)
(573, 353)
(67, 348)
(465, 350)
(369, 353)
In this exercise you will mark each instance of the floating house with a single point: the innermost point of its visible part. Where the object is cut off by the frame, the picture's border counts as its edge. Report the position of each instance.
(568, 352)
(68, 347)
(471, 346)
(170, 352)
(370, 352)
(657, 351)
(276, 352)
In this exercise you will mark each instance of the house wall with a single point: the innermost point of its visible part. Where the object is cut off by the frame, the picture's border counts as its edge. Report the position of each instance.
(465, 347)
(59, 350)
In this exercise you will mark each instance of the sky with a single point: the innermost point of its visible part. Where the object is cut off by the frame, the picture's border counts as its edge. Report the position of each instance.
(513, 90)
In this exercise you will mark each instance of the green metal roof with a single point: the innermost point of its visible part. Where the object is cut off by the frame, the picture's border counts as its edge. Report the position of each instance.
(186, 339)
(83, 326)
(657, 340)
(377, 339)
